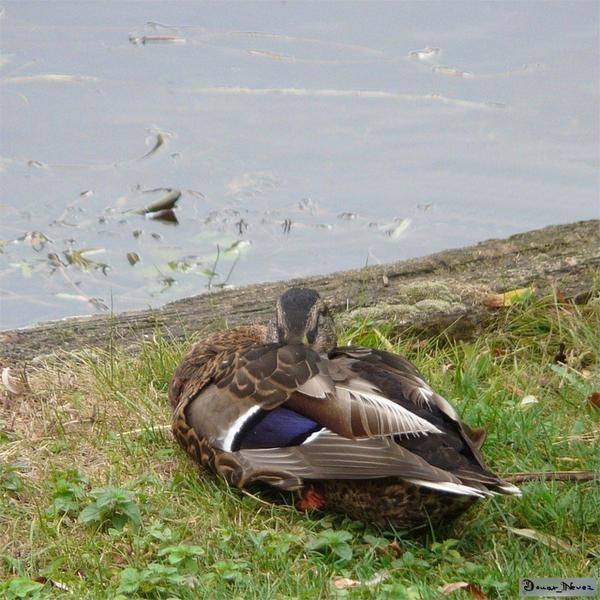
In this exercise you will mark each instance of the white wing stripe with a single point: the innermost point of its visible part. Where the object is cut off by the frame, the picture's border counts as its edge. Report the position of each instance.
(236, 426)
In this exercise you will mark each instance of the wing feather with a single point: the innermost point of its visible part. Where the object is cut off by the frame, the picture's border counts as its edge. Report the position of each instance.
(330, 456)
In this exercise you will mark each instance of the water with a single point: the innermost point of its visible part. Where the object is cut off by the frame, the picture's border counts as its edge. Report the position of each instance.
(304, 138)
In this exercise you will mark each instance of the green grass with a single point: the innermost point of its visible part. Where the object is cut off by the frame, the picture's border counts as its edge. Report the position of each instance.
(96, 500)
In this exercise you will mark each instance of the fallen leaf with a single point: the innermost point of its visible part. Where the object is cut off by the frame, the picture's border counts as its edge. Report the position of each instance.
(475, 592)
(516, 390)
(508, 298)
(166, 202)
(595, 399)
(396, 549)
(343, 583)
(529, 399)
(544, 538)
(57, 584)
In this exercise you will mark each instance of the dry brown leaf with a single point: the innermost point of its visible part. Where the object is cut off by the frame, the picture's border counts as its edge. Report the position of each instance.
(595, 399)
(396, 549)
(544, 538)
(449, 588)
(133, 258)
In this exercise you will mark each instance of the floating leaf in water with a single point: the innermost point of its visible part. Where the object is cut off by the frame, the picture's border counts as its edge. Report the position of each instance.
(36, 164)
(157, 25)
(133, 258)
(238, 247)
(98, 304)
(451, 72)
(425, 54)
(161, 139)
(166, 216)
(80, 260)
(54, 261)
(396, 229)
(270, 55)
(185, 264)
(55, 77)
(25, 268)
(207, 273)
(166, 202)
(143, 40)
(37, 240)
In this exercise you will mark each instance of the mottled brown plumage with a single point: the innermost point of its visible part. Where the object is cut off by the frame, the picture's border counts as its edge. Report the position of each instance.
(358, 428)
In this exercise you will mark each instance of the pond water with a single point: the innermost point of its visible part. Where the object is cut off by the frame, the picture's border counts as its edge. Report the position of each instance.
(288, 138)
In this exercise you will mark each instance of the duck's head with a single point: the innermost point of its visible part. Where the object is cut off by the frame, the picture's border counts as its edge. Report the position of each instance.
(302, 317)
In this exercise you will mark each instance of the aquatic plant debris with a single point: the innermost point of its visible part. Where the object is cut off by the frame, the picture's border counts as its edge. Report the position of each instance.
(161, 140)
(144, 40)
(52, 77)
(133, 258)
(347, 93)
(166, 202)
(425, 54)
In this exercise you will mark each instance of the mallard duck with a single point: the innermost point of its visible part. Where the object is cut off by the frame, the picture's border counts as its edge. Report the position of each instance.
(348, 429)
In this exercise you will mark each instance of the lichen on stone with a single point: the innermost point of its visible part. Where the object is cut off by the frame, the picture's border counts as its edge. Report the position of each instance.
(413, 301)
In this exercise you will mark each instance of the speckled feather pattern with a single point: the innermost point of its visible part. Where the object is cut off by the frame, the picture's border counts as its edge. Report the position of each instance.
(365, 429)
